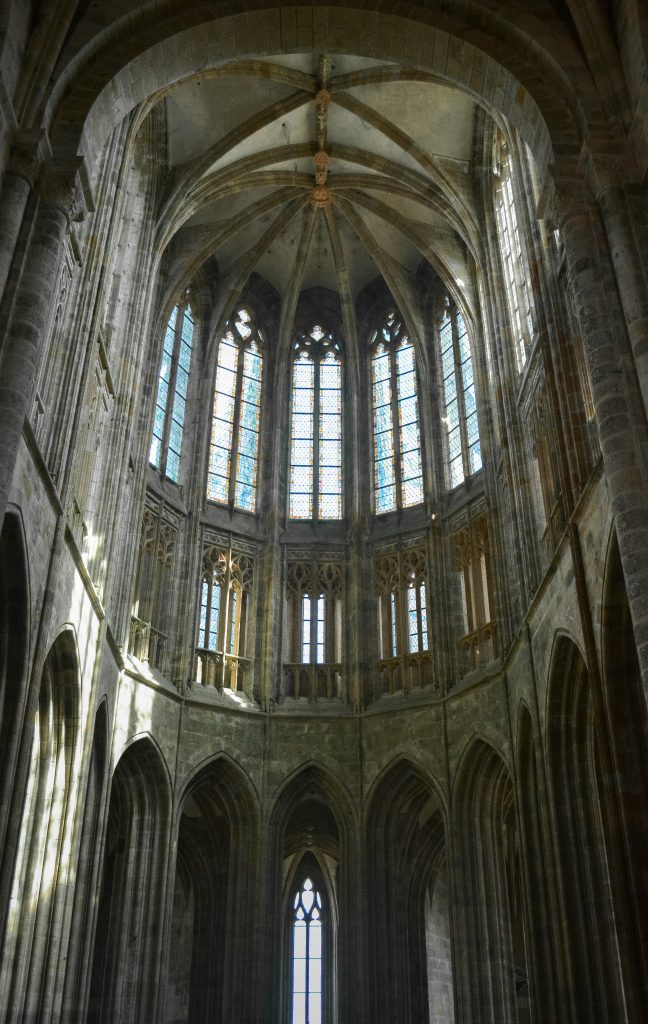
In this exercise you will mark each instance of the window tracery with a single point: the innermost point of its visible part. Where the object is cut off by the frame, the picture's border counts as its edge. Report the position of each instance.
(234, 448)
(398, 473)
(513, 257)
(403, 618)
(314, 616)
(173, 383)
(472, 557)
(316, 427)
(225, 591)
(460, 406)
(150, 617)
(307, 954)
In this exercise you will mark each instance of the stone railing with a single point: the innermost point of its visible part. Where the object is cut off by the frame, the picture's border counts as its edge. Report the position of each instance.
(405, 672)
(480, 646)
(220, 671)
(313, 681)
(148, 644)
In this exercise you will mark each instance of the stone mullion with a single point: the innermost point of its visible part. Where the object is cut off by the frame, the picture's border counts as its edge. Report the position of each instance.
(619, 436)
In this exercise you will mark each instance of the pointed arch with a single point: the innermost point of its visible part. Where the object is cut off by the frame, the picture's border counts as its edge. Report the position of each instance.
(586, 825)
(493, 988)
(14, 659)
(410, 974)
(314, 813)
(34, 929)
(128, 940)
(214, 889)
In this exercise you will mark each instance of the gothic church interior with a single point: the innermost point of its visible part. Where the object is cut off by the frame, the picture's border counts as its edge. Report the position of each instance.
(324, 505)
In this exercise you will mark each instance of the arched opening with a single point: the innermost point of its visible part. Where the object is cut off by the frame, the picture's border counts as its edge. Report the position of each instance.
(491, 918)
(215, 882)
(582, 812)
(14, 653)
(410, 973)
(84, 911)
(310, 836)
(125, 983)
(34, 925)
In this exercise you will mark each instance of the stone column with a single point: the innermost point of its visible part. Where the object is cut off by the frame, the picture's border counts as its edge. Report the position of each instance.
(61, 202)
(626, 260)
(620, 437)
(17, 182)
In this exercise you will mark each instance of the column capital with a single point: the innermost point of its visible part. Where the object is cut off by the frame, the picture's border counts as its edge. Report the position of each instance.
(29, 148)
(63, 183)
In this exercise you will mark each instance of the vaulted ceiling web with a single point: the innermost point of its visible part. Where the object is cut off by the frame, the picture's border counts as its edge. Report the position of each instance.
(320, 175)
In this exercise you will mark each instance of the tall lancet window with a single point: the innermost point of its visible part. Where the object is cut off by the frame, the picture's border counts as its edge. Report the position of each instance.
(234, 449)
(516, 274)
(398, 475)
(316, 427)
(173, 383)
(460, 416)
(307, 950)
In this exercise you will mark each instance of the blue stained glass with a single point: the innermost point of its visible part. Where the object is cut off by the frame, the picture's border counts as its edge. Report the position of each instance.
(412, 492)
(405, 359)
(247, 443)
(219, 461)
(251, 391)
(158, 425)
(469, 400)
(383, 419)
(385, 473)
(182, 381)
(217, 490)
(408, 410)
(184, 361)
(475, 457)
(380, 367)
(173, 465)
(252, 364)
(385, 499)
(452, 415)
(246, 468)
(384, 445)
(410, 437)
(411, 464)
(406, 385)
(467, 374)
(175, 437)
(381, 392)
(249, 416)
(163, 394)
(244, 496)
(472, 429)
(456, 472)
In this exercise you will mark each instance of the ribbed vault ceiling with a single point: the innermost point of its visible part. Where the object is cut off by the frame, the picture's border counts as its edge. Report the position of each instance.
(247, 187)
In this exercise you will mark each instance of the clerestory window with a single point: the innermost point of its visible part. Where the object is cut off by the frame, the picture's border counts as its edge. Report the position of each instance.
(234, 449)
(514, 262)
(316, 427)
(173, 383)
(460, 406)
(398, 474)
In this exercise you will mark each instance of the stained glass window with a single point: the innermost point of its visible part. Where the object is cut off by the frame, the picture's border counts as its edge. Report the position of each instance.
(307, 955)
(513, 257)
(173, 382)
(460, 414)
(398, 475)
(234, 446)
(316, 427)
